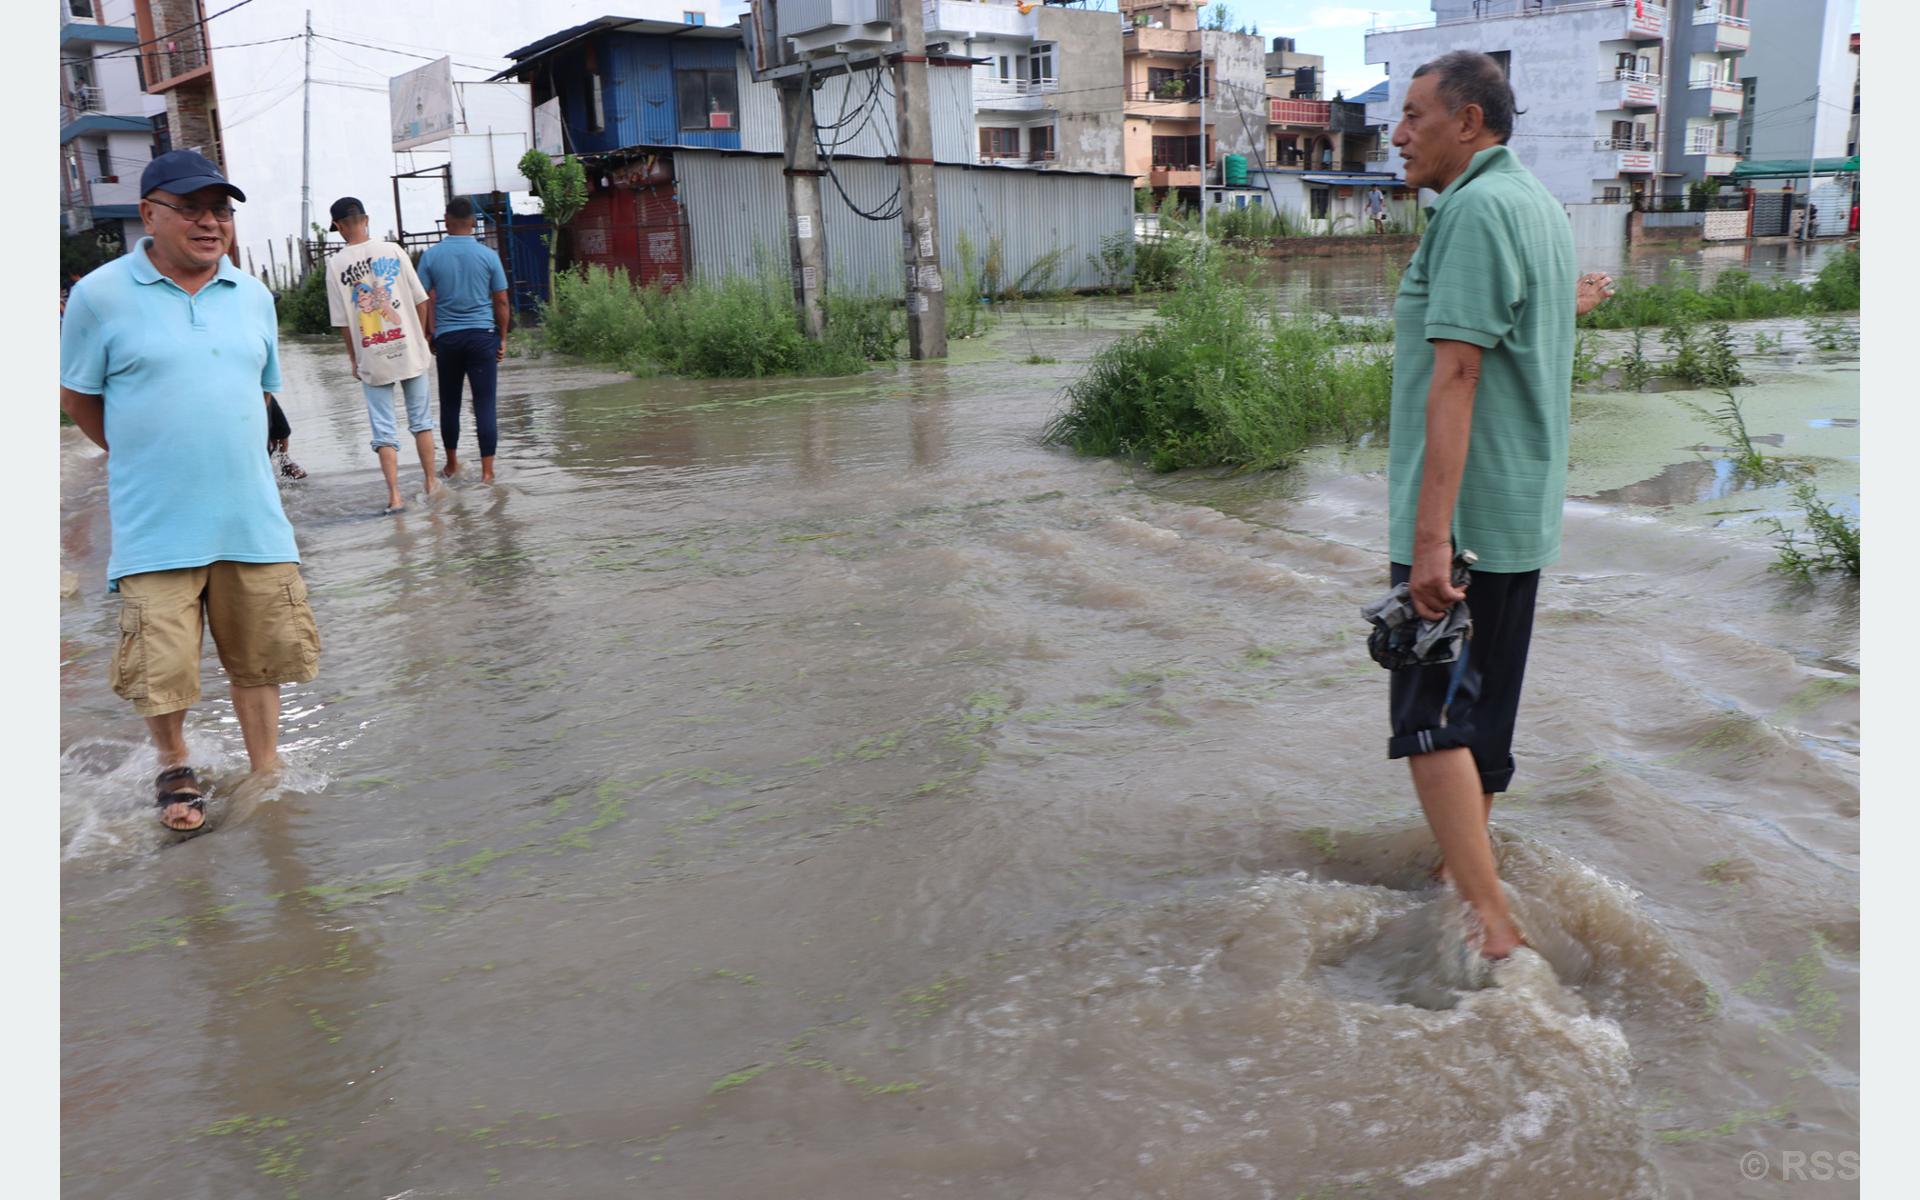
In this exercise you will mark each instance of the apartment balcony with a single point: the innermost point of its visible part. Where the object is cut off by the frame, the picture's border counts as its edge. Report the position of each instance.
(1646, 23)
(178, 59)
(1622, 88)
(1726, 98)
(1174, 100)
(1014, 95)
(1303, 114)
(1173, 177)
(1138, 39)
(1719, 159)
(1376, 156)
(81, 101)
(1631, 156)
(1045, 158)
(1729, 32)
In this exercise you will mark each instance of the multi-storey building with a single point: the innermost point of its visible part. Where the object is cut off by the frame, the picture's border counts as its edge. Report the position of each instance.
(1853, 126)
(1047, 87)
(1167, 58)
(1799, 76)
(1705, 97)
(107, 128)
(1591, 76)
(176, 63)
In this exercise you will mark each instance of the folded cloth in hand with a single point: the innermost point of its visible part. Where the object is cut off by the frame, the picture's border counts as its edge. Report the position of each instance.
(1402, 638)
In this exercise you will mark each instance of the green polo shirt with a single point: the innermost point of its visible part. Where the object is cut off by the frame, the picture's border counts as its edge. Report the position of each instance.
(1496, 269)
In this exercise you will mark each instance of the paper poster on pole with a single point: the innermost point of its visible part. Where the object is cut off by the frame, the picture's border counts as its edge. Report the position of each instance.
(421, 102)
(488, 162)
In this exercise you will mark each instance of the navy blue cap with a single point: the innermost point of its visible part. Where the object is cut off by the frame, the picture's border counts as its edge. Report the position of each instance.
(183, 171)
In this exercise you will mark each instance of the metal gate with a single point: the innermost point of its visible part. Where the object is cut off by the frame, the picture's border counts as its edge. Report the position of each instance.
(639, 230)
(1772, 214)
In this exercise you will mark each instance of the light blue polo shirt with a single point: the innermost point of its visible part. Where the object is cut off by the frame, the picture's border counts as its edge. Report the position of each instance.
(463, 275)
(189, 481)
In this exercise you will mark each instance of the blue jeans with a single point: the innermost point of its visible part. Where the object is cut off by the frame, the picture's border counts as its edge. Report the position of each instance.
(380, 409)
(468, 354)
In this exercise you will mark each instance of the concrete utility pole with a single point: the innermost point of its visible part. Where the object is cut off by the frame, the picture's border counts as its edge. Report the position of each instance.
(1203, 138)
(306, 142)
(919, 209)
(806, 218)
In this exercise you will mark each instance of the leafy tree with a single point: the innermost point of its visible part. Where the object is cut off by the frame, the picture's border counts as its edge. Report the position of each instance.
(81, 252)
(562, 188)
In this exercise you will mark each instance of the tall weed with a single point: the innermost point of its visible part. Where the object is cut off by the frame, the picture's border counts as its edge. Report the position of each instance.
(741, 327)
(1218, 381)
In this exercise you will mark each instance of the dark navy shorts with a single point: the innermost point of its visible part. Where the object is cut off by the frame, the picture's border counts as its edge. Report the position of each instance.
(1472, 701)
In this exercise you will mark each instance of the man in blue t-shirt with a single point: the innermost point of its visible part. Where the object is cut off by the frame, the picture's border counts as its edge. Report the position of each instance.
(168, 356)
(469, 334)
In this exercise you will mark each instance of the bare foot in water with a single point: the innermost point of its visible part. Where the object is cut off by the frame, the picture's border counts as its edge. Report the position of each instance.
(452, 468)
(1498, 937)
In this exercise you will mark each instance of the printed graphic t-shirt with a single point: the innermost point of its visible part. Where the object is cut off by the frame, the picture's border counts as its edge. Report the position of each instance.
(371, 288)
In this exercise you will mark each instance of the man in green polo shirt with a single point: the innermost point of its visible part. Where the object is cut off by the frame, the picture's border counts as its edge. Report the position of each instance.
(1482, 383)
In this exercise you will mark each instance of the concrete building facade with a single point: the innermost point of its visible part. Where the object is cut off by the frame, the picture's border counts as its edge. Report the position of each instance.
(1590, 75)
(1048, 91)
(1166, 55)
(1799, 77)
(1706, 42)
(108, 131)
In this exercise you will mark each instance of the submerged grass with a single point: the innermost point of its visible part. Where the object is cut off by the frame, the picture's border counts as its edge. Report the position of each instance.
(743, 328)
(1221, 381)
(1734, 296)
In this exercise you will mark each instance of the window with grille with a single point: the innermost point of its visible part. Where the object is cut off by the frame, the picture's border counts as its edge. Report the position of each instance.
(998, 142)
(1040, 143)
(1176, 153)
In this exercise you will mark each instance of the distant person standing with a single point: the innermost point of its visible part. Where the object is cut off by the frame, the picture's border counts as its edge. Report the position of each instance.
(470, 321)
(167, 359)
(1377, 208)
(383, 314)
(1812, 224)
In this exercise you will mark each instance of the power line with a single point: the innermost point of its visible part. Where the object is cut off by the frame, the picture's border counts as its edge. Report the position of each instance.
(154, 41)
(404, 54)
(292, 37)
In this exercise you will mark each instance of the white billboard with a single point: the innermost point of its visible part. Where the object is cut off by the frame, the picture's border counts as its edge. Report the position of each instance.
(421, 102)
(488, 162)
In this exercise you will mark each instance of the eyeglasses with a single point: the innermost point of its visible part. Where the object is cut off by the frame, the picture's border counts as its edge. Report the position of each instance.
(193, 212)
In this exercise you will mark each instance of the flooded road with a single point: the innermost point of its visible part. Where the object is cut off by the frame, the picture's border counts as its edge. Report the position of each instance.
(821, 789)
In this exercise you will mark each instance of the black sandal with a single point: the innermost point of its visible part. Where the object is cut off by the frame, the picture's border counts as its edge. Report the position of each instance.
(165, 798)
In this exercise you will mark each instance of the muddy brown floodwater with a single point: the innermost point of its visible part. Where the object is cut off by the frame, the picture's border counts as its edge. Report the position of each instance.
(822, 790)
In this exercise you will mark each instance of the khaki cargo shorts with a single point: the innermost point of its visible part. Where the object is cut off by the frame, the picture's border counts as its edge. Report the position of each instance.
(262, 628)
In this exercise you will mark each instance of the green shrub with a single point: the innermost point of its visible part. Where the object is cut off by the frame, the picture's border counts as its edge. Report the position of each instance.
(1836, 540)
(738, 328)
(302, 308)
(1217, 381)
(1838, 287)
(1734, 296)
(1704, 361)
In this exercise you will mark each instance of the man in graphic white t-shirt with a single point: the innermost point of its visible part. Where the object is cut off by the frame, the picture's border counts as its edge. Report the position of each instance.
(383, 314)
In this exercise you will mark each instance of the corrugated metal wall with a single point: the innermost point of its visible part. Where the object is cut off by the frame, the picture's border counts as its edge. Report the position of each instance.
(949, 89)
(736, 211)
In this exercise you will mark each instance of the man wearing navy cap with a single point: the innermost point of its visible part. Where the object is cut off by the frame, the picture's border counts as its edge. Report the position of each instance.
(167, 357)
